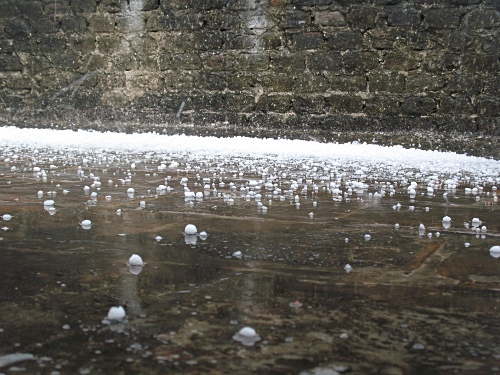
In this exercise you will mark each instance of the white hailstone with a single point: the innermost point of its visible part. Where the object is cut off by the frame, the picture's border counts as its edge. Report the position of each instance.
(135, 260)
(51, 211)
(495, 251)
(86, 188)
(93, 195)
(203, 235)
(108, 198)
(346, 240)
(65, 191)
(190, 229)
(427, 209)
(476, 222)
(367, 237)
(264, 209)
(158, 238)
(199, 195)
(7, 217)
(297, 205)
(119, 211)
(348, 268)
(116, 313)
(411, 208)
(86, 223)
(446, 219)
(237, 254)
(421, 228)
(429, 234)
(48, 202)
(438, 234)
(315, 204)
(483, 228)
(142, 204)
(397, 226)
(247, 336)
(311, 215)
(466, 244)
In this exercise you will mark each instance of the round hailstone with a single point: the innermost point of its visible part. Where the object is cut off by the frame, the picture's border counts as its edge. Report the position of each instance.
(135, 260)
(247, 336)
(190, 229)
(495, 251)
(397, 226)
(7, 217)
(237, 254)
(203, 235)
(367, 237)
(48, 202)
(86, 223)
(446, 219)
(158, 238)
(116, 313)
(348, 268)
(130, 191)
(295, 304)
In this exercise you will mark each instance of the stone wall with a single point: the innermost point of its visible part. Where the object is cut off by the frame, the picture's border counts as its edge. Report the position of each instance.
(319, 65)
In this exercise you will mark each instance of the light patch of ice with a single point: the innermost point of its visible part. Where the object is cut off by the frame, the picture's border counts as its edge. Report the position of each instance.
(10, 359)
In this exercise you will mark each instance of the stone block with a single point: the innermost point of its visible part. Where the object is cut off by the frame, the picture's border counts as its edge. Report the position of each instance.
(242, 42)
(418, 106)
(253, 61)
(274, 103)
(359, 62)
(362, 17)
(211, 81)
(110, 6)
(110, 45)
(308, 104)
(382, 105)
(148, 5)
(160, 22)
(16, 81)
(344, 83)
(483, 19)
(385, 38)
(219, 62)
(330, 61)
(401, 60)
(10, 63)
(345, 40)
(177, 82)
(84, 6)
(386, 81)
(461, 84)
(16, 28)
(307, 40)
(6, 46)
(308, 3)
(272, 40)
(492, 86)
(125, 61)
(457, 105)
(241, 81)
(75, 24)
(446, 18)
(204, 41)
(420, 82)
(44, 26)
(288, 62)
(403, 16)
(344, 103)
(189, 21)
(185, 61)
(329, 18)
(292, 19)
(102, 24)
(52, 43)
(239, 103)
(488, 107)
(481, 63)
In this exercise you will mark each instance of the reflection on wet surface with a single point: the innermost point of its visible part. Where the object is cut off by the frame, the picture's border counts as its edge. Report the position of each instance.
(279, 235)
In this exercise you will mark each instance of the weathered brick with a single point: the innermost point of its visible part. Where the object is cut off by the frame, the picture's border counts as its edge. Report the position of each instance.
(253, 61)
(418, 82)
(101, 24)
(386, 81)
(382, 104)
(492, 86)
(329, 18)
(418, 106)
(84, 6)
(308, 40)
(148, 5)
(17, 28)
(274, 103)
(480, 19)
(239, 103)
(160, 22)
(271, 40)
(74, 24)
(288, 62)
(403, 16)
(344, 103)
(295, 19)
(6, 46)
(308, 104)
(331, 61)
(345, 40)
(358, 62)
(442, 18)
(401, 60)
(460, 84)
(362, 17)
(212, 81)
(481, 63)
(10, 63)
(110, 6)
(347, 83)
(488, 107)
(456, 105)
(187, 61)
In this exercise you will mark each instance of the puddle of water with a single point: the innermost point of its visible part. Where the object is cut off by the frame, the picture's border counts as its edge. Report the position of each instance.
(410, 303)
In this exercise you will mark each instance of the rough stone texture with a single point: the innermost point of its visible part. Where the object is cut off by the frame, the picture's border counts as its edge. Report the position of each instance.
(248, 65)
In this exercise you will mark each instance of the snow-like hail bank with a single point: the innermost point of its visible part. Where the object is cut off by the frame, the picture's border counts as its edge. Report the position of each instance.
(361, 159)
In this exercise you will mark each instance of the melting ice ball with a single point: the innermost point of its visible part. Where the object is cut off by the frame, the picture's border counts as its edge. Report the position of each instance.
(86, 224)
(190, 229)
(247, 336)
(203, 235)
(116, 314)
(7, 217)
(135, 260)
(48, 202)
(348, 268)
(495, 251)
(367, 237)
